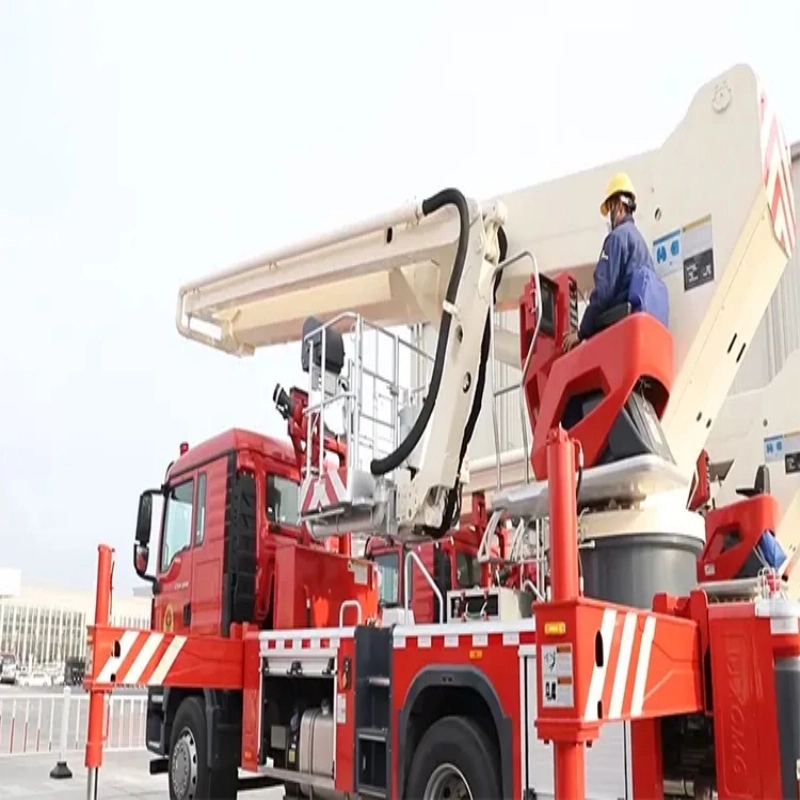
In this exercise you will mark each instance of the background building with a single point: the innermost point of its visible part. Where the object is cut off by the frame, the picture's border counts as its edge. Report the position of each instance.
(45, 626)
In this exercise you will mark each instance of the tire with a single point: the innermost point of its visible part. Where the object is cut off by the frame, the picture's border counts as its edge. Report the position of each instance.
(188, 774)
(458, 743)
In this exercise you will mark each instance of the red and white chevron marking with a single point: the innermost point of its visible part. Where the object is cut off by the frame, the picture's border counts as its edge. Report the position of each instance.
(323, 492)
(777, 174)
(144, 659)
(621, 681)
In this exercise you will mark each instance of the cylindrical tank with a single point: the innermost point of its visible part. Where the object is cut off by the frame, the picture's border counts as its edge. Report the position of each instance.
(315, 748)
(631, 567)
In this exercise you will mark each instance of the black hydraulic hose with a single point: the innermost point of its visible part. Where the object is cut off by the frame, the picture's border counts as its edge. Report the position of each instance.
(447, 197)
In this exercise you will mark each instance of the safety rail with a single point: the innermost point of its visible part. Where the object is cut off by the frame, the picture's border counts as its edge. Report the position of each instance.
(349, 604)
(50, 722)
(368, 380)
(497, 393)
(410, 560)
(528, 545)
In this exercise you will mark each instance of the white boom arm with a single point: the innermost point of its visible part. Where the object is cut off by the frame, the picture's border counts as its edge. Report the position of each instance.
(715, 199)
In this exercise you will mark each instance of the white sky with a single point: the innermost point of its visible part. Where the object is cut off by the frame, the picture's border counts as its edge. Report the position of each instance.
(144, 144)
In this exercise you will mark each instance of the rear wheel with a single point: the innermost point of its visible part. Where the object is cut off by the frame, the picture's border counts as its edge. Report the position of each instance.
(189, 775)
(454, 760)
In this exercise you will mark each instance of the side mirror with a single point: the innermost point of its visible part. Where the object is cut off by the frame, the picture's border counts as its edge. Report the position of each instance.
(141, 558)
(141, 547)
(144, 519)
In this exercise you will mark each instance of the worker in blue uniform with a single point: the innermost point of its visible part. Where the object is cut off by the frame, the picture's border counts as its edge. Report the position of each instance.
(624, 271)
(770, 550)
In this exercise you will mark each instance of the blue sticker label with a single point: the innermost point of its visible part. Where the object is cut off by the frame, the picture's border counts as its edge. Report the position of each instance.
(667, 253)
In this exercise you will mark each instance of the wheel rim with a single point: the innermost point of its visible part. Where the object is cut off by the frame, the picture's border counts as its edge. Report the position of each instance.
(183, 769)
(447, 783)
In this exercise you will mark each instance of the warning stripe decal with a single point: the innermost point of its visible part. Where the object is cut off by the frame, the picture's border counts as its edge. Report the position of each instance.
(777, 177)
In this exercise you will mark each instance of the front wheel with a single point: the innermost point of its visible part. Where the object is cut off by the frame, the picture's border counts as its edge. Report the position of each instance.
(454, 760)
(189, 775)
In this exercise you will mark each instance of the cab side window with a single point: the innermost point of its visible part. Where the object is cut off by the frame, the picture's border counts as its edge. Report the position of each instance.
(177, 522)
(468, 571)
(388, 565)
(283, 500)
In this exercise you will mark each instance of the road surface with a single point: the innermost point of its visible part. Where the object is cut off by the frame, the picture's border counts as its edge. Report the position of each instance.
(123, 776)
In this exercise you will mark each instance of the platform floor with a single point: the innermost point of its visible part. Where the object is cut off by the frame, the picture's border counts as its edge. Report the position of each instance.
(123, 776)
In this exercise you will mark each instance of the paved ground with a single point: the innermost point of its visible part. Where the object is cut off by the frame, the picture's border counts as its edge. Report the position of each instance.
(122, 777)
(43, 709)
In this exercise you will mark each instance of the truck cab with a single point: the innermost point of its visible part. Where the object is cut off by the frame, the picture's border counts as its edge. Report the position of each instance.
(228, 504)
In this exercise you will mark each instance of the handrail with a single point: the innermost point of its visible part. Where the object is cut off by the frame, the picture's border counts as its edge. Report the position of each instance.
(425, 574)
(349, 604)
(506, 389)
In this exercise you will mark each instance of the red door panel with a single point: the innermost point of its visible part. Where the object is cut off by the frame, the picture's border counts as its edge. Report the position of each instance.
(209, 548)
(175, 558)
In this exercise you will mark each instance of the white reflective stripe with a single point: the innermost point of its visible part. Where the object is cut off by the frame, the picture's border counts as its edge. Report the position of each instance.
(126, 642)
(167, 660)
(143, 659)
(598, 682)
(623, 666)
(643, 667)
(338, 487)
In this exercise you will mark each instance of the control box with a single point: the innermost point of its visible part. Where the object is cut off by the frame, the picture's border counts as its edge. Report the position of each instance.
(496, 603)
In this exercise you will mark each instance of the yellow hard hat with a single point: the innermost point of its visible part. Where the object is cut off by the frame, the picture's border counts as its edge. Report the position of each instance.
(619, 184)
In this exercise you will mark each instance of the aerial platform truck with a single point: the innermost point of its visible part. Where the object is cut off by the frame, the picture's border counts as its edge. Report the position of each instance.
(673, 683)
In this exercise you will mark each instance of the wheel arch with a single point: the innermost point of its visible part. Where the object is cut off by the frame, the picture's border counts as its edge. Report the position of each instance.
(222, 708)
(439, 691)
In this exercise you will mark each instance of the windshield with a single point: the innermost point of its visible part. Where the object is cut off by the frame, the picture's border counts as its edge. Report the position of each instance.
(283, 496)
(388, 565)
(468, 570)
(8, 659)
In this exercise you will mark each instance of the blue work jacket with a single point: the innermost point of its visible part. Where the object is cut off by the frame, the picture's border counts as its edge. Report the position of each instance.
(625, 274)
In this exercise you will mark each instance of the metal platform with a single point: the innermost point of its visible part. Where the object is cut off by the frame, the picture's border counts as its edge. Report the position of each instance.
(629, 481)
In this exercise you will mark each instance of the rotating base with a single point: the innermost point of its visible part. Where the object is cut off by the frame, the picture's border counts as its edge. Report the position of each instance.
(631, 569)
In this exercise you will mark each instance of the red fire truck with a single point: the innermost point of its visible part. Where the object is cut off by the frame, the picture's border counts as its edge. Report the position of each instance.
(679, 686)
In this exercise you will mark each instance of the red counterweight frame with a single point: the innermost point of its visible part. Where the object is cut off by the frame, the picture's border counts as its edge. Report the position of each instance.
(634, 353)
(732, 533)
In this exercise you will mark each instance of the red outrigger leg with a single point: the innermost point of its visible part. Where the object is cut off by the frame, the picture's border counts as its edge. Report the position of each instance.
(97, 700)
(568, 751)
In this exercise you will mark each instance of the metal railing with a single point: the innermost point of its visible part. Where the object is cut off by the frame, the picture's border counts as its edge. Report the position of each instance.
(500, 392)
(374, 386)
(57, 722)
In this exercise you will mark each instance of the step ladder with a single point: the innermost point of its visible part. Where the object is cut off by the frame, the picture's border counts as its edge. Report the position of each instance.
(373, 711)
